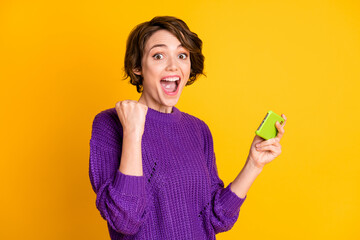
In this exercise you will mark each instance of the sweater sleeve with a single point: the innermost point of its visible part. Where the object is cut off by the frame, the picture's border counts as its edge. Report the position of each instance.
(225, 204)
(120, 198)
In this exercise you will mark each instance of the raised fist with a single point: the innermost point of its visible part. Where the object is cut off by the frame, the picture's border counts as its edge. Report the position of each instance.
(132, 115)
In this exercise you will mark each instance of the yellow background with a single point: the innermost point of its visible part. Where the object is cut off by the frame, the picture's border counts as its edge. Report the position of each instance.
(61, 63)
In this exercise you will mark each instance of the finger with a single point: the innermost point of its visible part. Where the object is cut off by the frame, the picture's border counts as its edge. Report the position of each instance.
(266, 143)
(284, 117)
(118, 107)
(257, 140)
(270, 148)
(281, 131)
(275, 144)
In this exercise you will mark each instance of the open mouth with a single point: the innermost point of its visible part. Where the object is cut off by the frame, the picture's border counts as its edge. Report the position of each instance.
(170, 84)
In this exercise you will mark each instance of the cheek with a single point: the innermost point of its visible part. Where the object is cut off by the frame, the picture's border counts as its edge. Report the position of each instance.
(152, 72)
(186, 67)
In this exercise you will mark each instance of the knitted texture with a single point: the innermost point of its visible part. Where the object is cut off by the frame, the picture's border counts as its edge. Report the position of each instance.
(179, 196)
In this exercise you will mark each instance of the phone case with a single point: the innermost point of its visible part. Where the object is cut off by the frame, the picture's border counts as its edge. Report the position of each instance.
(267, 128)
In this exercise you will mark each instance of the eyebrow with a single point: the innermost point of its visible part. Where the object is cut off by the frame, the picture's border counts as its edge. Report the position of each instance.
(162, 45)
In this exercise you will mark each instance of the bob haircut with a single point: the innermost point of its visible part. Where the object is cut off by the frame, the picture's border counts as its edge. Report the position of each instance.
(136, 42)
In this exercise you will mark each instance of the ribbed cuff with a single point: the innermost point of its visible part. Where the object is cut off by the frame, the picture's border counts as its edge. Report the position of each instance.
(231, 202)
(129, 185)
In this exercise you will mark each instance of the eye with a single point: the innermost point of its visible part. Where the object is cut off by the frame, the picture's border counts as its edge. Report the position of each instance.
(183, 56)
(158, 56)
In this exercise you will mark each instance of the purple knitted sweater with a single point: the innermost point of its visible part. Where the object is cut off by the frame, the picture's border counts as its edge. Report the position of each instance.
(179, 196)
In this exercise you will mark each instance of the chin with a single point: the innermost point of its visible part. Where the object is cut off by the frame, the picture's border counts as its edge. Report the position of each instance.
(170, 103)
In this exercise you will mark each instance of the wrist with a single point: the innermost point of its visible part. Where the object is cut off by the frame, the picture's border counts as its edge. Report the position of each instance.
(252, 166)
(245, 178)
(132, 136)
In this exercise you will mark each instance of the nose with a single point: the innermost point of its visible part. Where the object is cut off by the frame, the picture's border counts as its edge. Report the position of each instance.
(171, 64)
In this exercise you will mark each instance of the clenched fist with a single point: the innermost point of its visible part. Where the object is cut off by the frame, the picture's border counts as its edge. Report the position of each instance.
(132, 115)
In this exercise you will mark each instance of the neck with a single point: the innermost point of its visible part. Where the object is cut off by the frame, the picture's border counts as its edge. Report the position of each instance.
(151, 104)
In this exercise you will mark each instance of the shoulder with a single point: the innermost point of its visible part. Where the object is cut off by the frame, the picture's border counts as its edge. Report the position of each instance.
(191, 119)
(107, 120)
(199, 124)
(200, 130)
(107, 114)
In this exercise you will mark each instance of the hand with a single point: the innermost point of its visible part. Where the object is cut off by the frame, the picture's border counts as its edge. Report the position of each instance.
(264, 151)
(132, 115)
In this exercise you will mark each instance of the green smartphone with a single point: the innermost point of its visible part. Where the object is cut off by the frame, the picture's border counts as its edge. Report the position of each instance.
(267, 128)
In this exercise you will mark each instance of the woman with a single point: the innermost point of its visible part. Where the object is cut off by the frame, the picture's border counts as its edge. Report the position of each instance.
(152, 166)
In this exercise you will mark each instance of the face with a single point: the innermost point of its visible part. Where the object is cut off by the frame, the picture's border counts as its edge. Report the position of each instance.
(165, 69)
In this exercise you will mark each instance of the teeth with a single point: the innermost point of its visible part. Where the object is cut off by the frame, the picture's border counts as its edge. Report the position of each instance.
(173, 79)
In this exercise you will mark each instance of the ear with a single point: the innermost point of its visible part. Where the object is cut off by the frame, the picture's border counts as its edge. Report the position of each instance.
(137, 71)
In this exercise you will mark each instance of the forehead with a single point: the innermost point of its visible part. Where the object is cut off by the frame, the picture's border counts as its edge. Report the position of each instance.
(162, 37)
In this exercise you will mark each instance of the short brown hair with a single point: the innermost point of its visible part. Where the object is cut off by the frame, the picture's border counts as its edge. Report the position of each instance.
(136, 41)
